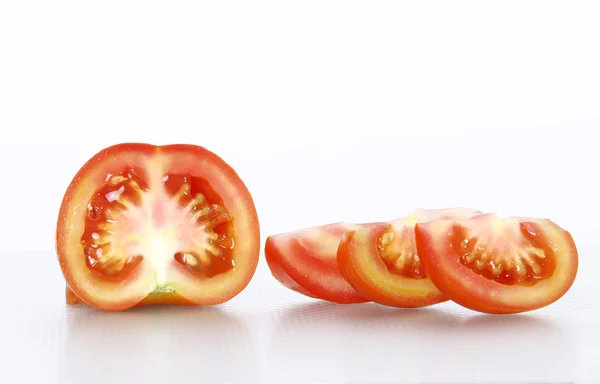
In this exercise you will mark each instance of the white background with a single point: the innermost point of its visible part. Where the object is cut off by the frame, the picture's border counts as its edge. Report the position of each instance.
(329, 111)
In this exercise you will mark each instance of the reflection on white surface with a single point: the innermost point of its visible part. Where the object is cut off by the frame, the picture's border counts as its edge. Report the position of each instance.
(151, 345)
(269, 334)
(367, 343)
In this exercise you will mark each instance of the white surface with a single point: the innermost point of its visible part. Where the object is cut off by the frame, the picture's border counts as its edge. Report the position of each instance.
(381, 106)
(268, 334)
(329, 111)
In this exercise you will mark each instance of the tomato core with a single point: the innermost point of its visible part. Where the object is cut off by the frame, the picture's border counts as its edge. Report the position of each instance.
(137, 217)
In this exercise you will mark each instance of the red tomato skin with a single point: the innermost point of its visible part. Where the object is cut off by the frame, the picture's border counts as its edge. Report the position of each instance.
(272, 257)
(297, 269)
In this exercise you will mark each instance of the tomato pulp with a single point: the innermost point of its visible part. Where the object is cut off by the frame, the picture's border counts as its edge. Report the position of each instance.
(143, 224)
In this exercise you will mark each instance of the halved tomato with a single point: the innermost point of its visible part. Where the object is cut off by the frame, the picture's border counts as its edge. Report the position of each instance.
(496, 265)
(142, 224)
(305, 261)
(383, 265)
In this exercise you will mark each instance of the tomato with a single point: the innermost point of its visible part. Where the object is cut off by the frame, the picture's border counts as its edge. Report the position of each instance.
(498, 265)
(143, 224)
(305, 261)
(382, 262)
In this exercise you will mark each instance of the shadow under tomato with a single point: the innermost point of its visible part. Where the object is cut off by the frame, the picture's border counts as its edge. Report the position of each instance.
(369, 315)
(157, 344)
(373, 343)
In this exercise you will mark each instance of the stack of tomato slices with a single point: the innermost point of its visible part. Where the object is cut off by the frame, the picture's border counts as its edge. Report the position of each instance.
(478, 260)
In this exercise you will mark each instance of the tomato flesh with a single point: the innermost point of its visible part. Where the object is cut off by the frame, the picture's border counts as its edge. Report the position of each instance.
(157, 221)
(496, 265)
(128, 222)
(508, 257)
(382, 263)
(305, 261)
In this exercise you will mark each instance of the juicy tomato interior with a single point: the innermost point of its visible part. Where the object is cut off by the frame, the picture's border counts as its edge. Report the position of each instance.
(156, 220)
(384, 265)
(305, 261)
(397, 246)
(497, 265)
(504, 254)
(129, 220)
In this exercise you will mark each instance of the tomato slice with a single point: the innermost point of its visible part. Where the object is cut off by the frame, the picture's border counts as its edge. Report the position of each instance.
(498, 265)
(146, 224)
(305, 261)
(382, 262)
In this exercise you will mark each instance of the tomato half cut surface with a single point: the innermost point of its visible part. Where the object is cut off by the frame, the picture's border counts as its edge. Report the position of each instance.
(383, 265)
(305, 261)
(498, 265)
(143, 224)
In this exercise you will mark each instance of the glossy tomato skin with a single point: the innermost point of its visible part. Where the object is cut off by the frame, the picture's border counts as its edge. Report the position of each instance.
(137, 288)
(273, 255)
(360, 258)
(305, 261)
(476, 292)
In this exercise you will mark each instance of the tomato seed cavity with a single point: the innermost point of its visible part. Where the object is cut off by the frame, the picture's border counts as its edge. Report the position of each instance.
(398, 252)
(498, 258)
(179, 218)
